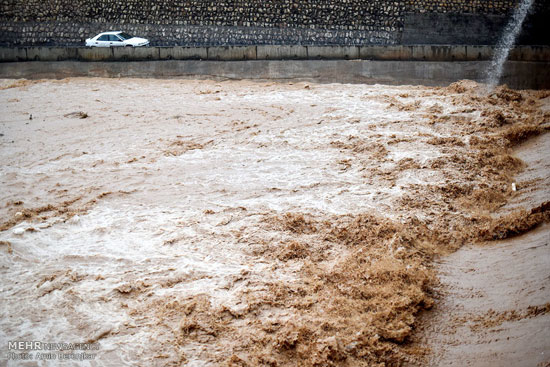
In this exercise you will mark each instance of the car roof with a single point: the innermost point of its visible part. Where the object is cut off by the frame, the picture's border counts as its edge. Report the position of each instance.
(110, 32)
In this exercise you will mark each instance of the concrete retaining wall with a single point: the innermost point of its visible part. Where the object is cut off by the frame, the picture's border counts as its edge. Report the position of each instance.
(240, 53)
(517, 74)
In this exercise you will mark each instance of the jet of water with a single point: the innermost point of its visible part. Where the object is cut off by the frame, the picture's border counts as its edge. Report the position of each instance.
(506, 42)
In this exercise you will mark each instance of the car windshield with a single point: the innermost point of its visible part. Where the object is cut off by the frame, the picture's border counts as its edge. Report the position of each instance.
(125, 36)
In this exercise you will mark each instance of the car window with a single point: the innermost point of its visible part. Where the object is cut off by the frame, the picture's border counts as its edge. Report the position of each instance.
(114, 38)
(105, 37)
(125, 36)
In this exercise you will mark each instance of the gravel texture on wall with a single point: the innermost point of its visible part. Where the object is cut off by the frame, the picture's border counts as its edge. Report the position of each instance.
(246, 22)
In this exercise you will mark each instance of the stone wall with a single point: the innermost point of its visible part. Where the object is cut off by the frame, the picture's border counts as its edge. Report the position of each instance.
(247, 22)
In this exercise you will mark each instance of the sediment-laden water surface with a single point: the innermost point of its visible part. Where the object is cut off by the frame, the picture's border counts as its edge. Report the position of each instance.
(178, 222)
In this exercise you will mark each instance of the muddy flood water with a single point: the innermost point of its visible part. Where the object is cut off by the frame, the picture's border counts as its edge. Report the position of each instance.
(238, 223)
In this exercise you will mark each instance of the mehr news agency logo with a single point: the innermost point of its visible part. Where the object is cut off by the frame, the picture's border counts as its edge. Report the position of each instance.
(37, 350)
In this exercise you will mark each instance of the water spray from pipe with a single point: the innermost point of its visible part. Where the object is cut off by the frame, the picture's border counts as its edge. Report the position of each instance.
(506, 42)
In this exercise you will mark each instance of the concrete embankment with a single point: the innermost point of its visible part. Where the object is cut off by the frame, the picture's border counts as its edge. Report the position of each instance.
(428, 65)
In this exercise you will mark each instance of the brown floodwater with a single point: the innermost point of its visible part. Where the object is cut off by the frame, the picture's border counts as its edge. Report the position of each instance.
(269, 223)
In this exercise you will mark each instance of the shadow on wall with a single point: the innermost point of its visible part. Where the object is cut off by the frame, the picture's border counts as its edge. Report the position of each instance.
(472, 29)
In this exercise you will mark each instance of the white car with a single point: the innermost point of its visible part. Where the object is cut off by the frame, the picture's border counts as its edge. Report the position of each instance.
(116, 39)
